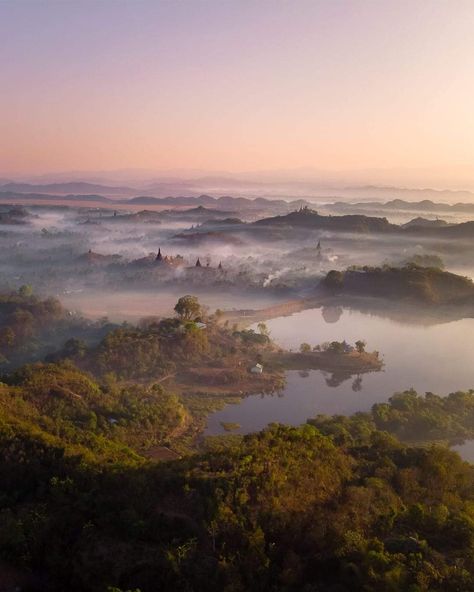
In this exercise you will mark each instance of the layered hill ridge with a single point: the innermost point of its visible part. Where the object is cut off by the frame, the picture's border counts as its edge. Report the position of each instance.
(429, 285)
(307, 218)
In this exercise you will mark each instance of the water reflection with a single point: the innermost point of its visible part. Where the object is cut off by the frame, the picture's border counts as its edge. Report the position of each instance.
(465, 450)
(434, 358)
(331, 314)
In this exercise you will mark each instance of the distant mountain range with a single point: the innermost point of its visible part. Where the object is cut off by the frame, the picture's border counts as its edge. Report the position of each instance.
(233, 203)
(74, 188)
(359, 223)
(311, 190)
(464, 230)
(14, 196)
(225, 202)
(107, 194)
(293, 214)
(425, 205)
(402, 193)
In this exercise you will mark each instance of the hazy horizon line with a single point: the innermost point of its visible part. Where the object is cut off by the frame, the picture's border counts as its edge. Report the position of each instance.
(421, 178)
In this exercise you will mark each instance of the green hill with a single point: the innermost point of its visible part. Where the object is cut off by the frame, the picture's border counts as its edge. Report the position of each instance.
(411, 282)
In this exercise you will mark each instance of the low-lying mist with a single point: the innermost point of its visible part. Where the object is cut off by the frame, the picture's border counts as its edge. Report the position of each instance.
(106, 263)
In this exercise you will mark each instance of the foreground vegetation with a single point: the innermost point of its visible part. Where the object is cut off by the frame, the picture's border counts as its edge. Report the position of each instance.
(412, 418)
(285, 509)
(364, 503)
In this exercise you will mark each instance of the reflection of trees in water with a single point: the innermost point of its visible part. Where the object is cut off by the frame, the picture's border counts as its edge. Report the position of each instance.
(303, 374)
(269, 393)
(331, 314)
(337, 378)
(405, 313)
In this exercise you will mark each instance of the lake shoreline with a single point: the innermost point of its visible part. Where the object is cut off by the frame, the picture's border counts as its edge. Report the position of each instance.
(404, 311)
(206, 390)
(414, 350)
(327, 361)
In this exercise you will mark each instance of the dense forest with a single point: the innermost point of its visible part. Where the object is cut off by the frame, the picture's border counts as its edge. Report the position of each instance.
(375, 501)
(284, 509)
(411, 417)
(31, 327)
(429, 285)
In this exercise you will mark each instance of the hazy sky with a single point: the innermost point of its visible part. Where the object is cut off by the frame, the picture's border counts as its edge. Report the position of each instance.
(236, 85)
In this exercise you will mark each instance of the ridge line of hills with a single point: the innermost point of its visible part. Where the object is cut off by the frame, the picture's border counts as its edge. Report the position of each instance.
(310, 219)
(306, 218)
(401, 204)
(128, 195)
(202, 200)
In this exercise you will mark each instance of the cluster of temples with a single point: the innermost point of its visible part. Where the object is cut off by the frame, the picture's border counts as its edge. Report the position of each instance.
(178, 260)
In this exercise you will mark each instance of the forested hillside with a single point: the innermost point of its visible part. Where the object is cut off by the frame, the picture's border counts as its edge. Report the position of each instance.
(429, 285)
(364, 503)
(285, 509)
(31, 327)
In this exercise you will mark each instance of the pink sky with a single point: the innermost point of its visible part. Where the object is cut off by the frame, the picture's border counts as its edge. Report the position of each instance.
(238, 85)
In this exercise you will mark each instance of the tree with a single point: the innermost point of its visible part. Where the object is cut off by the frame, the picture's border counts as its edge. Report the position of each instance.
(360, 346)
(25, 291)
(336, 347)
(7, 337)
(334, 280)
(74, 347)
(188, 308)
(263, 329)
(305, 348)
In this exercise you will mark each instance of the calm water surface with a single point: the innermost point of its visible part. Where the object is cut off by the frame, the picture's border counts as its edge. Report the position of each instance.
(466, 450)
(437, 358)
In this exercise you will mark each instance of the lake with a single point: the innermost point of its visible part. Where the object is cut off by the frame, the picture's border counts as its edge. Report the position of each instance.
(465, 450)
(436, 358)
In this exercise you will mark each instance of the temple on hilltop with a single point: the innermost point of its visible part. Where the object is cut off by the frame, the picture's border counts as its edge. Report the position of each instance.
(305, 211)
(168, 260)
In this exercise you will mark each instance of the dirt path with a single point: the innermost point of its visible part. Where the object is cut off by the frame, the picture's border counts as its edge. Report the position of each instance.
(244, 318)
(166, 377)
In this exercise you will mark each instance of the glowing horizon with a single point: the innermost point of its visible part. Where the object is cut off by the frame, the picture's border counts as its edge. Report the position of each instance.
(238, 86)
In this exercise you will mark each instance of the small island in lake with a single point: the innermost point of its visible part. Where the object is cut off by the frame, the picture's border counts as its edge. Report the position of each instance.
(337, 356)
